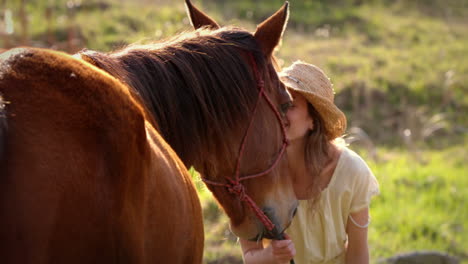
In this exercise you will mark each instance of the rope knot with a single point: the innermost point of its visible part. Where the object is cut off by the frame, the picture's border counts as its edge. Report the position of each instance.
(260, 83)
(238, 189)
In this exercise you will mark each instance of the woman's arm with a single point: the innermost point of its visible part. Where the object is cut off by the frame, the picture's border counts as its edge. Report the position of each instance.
(278, 252)
(357, 251)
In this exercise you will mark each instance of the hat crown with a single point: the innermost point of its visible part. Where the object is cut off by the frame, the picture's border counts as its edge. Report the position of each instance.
(310, 79)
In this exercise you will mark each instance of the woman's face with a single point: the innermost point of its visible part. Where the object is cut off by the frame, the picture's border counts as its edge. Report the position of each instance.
(299, 122)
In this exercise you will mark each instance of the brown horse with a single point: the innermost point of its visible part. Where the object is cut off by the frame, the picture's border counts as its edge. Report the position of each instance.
(85, 175)
(204, 112)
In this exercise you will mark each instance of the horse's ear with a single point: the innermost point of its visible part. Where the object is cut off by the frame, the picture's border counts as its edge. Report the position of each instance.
(199, 19)
(270, 31)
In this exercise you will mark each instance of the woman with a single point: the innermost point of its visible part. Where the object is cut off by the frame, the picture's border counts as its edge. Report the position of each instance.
(332, 183)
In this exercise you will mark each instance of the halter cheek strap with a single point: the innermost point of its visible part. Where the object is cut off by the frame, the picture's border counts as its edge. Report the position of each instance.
(234, 184)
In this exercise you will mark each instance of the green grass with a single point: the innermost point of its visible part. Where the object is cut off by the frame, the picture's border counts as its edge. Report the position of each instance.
(423, 202)
(101, 27)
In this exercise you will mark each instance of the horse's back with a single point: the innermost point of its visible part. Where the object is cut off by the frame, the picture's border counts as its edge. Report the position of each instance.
(77, 170)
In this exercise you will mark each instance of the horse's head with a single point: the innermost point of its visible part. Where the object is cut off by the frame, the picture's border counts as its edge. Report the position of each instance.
(248, 174)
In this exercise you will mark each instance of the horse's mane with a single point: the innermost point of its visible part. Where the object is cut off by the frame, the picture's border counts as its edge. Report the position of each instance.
(197, 83)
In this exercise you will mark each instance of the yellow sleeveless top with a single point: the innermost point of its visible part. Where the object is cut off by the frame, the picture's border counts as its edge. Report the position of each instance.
(319, 235)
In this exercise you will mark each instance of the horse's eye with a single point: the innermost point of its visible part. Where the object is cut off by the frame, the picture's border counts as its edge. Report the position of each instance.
(284, 107)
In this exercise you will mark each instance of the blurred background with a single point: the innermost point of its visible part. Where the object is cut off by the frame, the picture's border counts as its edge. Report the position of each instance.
(400, 72)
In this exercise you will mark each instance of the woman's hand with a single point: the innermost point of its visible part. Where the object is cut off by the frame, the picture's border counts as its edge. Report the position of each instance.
(277, 252)
(283, 250)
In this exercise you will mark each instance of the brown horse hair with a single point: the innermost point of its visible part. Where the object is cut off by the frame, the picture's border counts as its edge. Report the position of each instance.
(3, 127)
(212, 97)
(316, 154)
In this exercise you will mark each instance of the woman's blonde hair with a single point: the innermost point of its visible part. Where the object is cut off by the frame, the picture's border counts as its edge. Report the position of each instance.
(317, 153)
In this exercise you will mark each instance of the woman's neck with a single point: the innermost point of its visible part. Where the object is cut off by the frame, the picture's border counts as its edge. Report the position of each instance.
(298, 169)
(296, 160)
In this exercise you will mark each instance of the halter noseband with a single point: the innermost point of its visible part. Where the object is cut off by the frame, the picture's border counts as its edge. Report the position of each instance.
(234, 184)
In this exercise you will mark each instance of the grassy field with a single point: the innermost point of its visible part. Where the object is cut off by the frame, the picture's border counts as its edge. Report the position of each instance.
(423, 203)
(400, 72)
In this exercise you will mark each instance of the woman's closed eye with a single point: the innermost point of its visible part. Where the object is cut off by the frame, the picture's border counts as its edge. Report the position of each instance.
(285, 107)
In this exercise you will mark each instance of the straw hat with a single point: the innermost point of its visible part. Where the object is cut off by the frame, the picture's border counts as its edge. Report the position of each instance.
(315, 86)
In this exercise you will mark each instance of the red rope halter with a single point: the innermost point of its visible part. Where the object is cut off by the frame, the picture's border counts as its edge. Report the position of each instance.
(234, 184)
